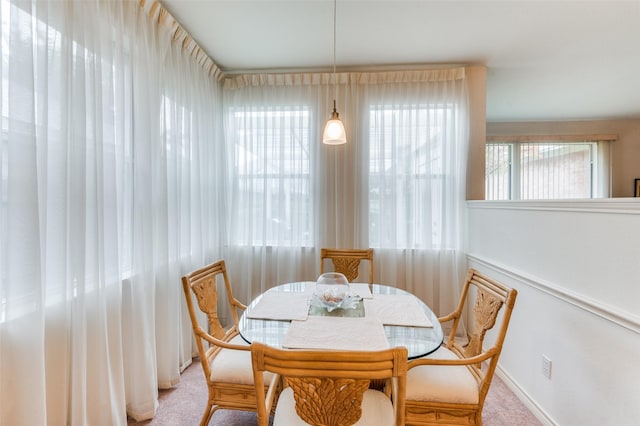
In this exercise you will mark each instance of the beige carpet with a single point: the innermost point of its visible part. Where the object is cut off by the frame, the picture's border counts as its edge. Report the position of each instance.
(184, 404)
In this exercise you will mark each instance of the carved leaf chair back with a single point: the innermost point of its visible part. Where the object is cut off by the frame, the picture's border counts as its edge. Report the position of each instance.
(347, 261)
(331, 388)
(225, 356)
(450, 385)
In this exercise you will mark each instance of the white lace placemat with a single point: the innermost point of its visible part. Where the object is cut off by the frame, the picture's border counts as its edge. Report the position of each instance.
(281, 305)
(361, 289)
(400, 309)
(336, 333)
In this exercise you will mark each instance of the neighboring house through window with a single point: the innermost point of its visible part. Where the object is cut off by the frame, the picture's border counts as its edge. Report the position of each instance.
(547, 167)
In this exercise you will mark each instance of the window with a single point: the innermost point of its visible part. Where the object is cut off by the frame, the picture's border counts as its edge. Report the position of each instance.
(176, 128)
(271, 184)
(408, 174)
(57, 146)
(543, 170)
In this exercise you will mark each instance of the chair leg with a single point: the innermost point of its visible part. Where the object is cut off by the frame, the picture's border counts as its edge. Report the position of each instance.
(208, 412)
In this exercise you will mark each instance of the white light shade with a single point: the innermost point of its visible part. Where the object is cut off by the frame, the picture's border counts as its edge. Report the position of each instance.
(334, 133)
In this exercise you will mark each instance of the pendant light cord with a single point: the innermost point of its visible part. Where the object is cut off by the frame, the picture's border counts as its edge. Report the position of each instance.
(334, 53)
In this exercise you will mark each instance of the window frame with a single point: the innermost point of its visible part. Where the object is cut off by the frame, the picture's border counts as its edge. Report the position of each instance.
(304, 176)
(448, 114)
(600, 158)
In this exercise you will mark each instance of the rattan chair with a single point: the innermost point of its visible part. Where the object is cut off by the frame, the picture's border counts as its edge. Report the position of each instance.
(347, 261)
(225, 356)
(330, 388)
(450, 386)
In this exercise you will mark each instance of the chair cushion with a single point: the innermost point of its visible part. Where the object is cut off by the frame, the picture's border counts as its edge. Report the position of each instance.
(234, 366)
(377, 410)
(442, 383)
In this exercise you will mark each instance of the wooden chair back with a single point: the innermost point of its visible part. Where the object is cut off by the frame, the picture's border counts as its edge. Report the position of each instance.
(491, 301)
(328, 386)
(202, 285)
(347, 261)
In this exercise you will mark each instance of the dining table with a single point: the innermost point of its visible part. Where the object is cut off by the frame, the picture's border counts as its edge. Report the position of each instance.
(377, 317)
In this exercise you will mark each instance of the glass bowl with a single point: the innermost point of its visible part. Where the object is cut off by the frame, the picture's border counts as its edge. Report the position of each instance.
(332, 292)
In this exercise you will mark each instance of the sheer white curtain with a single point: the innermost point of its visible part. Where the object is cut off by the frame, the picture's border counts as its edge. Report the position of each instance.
(271, 123)
(398, 185)
(106, 198)
(417, 130)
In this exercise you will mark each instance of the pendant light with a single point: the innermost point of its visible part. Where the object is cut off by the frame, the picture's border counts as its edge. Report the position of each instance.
(334, 133)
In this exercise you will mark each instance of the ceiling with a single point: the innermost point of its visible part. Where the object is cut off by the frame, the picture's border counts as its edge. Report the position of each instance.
(546, 60)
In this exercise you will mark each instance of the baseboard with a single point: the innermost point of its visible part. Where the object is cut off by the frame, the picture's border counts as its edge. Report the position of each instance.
(535, 409)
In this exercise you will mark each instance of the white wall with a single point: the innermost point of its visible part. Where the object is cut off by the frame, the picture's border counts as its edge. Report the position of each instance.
(576, 266)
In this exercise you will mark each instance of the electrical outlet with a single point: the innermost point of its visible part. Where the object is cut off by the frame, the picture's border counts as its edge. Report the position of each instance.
(546, 367)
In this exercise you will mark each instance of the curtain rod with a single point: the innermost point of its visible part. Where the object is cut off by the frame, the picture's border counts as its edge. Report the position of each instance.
(553, 138)
(346, 68)
(157, 12)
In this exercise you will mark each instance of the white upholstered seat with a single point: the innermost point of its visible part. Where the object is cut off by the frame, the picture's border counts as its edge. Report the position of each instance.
(232, 366)
(377, 410)
(442, 383)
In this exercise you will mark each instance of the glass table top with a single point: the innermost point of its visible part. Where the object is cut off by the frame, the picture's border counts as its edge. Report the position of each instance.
(419, 341)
